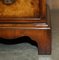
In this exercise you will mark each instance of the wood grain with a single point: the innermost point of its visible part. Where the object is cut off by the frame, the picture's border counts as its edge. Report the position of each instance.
(20, 8)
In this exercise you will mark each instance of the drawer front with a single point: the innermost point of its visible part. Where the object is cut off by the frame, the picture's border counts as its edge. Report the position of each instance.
(21, 8)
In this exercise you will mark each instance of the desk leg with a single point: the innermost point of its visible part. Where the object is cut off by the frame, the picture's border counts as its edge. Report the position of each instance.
(44, 42)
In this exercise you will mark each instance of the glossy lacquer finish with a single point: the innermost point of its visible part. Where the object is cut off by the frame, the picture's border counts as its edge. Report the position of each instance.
(35, 24)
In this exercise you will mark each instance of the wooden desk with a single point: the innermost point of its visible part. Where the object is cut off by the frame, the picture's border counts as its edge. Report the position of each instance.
(37, 28)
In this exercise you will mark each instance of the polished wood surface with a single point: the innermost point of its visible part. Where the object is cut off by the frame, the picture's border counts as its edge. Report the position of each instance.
(20, 8)
(37, 28)
(39, 32)
(15, 30)
(23, 8)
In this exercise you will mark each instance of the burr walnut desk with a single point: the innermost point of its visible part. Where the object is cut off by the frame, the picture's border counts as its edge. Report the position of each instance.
(26, 18)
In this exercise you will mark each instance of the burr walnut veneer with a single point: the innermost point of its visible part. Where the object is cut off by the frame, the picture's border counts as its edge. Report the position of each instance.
(26, 18)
